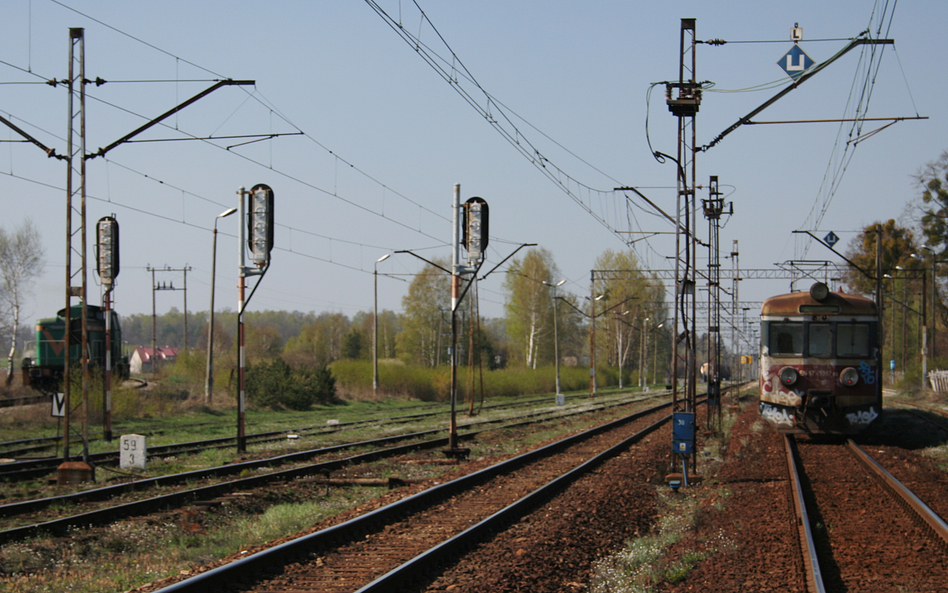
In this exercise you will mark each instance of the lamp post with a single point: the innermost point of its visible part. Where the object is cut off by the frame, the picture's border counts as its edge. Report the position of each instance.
(643, 356)
(619, 352)
(654, 358)
(592, 340)
(209, 384)
(556, 337)
(925, 316)
(375, 332)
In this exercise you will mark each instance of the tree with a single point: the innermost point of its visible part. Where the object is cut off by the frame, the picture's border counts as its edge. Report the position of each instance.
(353, 344)
(933, 181)
(319, 342)
(428, 296)
(275, 384)
(629, 306)
(21, 262)
(898, 245)
(529, 307)
(902, 283)
(631, 298)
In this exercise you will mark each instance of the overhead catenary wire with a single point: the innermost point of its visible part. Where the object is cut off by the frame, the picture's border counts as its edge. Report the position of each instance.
(453, 71)
(864, 80)
(334, 194)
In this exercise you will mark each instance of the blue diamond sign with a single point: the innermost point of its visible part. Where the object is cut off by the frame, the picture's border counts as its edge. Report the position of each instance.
(830, 239)
(795, 62)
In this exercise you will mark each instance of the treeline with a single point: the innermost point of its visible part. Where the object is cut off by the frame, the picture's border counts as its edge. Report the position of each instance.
(310, 338)
(625, 314)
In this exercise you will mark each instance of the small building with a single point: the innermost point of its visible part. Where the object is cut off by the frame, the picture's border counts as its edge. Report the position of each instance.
(142, 360)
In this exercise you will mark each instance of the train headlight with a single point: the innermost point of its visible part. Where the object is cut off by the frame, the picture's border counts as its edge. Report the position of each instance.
(788, 376)
(849, 377)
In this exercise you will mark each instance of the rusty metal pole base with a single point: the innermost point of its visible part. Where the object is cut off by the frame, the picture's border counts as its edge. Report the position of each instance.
(74, 472)
(456, 453)
(679, 477)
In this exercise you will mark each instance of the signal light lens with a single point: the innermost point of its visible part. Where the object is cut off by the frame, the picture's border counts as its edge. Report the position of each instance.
(849, 376)
(107, 249)
(788, 376)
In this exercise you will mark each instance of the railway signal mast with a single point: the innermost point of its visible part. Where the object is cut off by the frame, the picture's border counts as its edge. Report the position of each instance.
(259, 236)
(470, 230)
(107, 257)
(684, 100)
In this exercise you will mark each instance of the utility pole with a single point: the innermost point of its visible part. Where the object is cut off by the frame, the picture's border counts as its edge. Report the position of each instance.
(170, 286)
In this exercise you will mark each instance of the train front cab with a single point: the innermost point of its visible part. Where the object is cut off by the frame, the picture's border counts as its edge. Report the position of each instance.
(820, 362)
(45, 372)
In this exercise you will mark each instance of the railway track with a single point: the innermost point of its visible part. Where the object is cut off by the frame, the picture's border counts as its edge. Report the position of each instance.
(846, 501)
(407, 542)
(13, 469)
(935, 417)
(93, 507)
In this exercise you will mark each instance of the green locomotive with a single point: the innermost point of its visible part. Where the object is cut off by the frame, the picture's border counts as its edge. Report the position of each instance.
(45, 372)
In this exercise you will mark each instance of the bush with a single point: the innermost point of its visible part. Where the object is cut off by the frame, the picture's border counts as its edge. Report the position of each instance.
(275, 385)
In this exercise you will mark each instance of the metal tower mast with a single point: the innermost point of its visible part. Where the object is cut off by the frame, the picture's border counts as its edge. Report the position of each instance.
(76, 236)
(713, 209)
(684, 99)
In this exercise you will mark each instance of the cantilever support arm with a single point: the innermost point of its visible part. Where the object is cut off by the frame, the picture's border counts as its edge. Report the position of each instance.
(50, 152)
(830, 247)
(803, 78)
(169, 113)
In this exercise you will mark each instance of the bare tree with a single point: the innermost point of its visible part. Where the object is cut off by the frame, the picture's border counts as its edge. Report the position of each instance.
(21, 261)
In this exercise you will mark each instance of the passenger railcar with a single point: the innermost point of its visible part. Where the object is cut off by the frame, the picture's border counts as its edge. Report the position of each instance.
(820, 362)
(44, 372)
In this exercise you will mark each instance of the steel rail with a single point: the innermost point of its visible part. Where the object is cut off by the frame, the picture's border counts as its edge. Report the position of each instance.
(814, 577)
(114, 513)
(918, 510)
(39, 467)
(265, 562)
(425, 565)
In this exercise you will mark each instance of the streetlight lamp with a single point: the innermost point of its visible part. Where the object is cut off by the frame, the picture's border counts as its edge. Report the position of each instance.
(209, 384)
(556, 341)
(375, 332)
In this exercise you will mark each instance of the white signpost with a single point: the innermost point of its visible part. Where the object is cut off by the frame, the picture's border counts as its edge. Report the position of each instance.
(132, 452)
(59, 405)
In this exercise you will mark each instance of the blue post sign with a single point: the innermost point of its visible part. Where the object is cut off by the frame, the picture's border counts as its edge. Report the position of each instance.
(795, 62)
(683, 433)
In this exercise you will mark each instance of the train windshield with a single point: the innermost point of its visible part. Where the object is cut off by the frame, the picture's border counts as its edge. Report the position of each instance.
(852, 340)
(820, 342)
(786, 339)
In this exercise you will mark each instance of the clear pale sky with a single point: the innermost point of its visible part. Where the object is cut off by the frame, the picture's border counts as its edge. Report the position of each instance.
(385, 137)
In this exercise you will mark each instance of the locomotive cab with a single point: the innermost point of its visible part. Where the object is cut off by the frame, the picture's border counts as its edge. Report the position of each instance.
(44, 372)
(820, 362)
